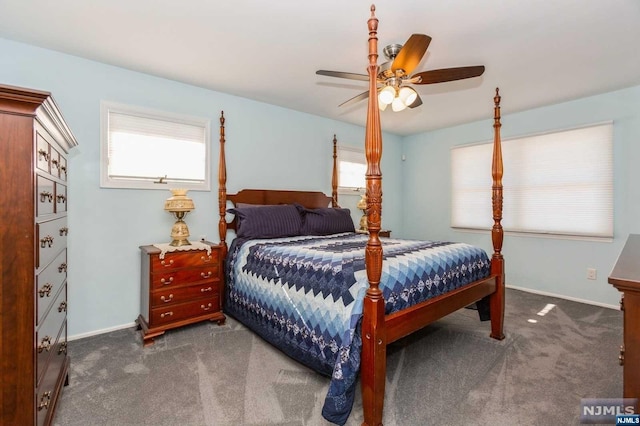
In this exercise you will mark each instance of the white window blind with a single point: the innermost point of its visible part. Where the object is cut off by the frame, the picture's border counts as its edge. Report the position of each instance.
(352, 167)
(554, 183)
(140, 148)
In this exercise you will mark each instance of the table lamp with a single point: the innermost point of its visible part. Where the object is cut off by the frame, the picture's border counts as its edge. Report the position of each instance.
(179, 205)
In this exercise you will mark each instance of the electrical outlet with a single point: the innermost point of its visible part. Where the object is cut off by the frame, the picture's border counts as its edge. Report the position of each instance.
(592, 273)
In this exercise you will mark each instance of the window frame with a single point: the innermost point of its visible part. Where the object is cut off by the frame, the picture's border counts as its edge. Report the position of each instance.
(517, 228)
(351, 190)
(106, 181)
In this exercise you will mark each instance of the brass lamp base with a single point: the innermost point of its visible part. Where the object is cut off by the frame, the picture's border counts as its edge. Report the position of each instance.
(179, 234)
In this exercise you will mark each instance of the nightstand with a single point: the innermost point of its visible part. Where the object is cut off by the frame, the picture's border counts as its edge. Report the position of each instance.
(384, 233)
(179, 288)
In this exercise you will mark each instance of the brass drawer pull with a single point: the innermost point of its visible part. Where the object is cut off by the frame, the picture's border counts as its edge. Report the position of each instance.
(168, 299)
(54, 163)
(166, 282)
(46, 241)
(166, 264)
(63, 348)
(43, 155)
(44, 401)
(46, 196)
(61, 198)
(621, 356)
(62, 268)
(45, 345)
(204, 290)
(45, 290)
(166, 314)
(207, 275)
(64, 170)
(205, 258)
(62, 307)
(206, 308)
(64, 231)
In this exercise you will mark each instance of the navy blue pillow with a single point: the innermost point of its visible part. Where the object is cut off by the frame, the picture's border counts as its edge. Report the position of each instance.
(325, 221)
(268, 221)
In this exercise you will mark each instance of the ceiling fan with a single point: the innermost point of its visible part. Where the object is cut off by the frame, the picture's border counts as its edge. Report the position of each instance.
(395, 76)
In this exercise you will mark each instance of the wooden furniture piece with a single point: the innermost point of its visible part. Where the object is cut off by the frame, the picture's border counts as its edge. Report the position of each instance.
(378, 329)
(625, 276)
(179, 288)
(34, 143)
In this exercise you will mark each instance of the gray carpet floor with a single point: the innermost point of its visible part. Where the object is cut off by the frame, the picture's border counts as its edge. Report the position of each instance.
(450, 373)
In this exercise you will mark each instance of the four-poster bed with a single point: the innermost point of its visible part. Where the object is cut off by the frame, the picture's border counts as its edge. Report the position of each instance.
(263, 251)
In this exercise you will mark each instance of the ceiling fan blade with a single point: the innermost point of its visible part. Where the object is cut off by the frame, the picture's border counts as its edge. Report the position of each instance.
(361, 96)
(411, 53)
(448, 74)
(339, 74)
(416, 103)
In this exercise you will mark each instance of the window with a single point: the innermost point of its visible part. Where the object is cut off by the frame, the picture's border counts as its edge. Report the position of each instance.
(147, 149)
(555, 183)
(352, 167)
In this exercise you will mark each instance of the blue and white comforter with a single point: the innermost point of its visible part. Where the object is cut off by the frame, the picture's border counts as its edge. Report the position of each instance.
(305, 295)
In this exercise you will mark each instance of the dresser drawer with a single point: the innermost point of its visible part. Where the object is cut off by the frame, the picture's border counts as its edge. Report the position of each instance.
(47, 333)
(51, 238)
(49, 282)
(45, 195)
(184, 259)
(45, 391)
(61, 198)
(183, 294)
(180, 277)
(43, 155)
(173, 313)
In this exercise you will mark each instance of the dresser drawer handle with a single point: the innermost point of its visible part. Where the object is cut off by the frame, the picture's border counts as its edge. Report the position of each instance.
(46, 196)
(43, 155)
(64, 231)
(45, 345)
(62, 307)
(168, 299)
(163, 263)
(166, 282)
(54, 163)
(63, 348)
(205, 258)
(44, 401)
(621, 356)
(207, 275)
(204, 290)
(61, 198)
(206, 308)
(45, 290)
(62, 268)
(63, 169)
(166, 314)
(46, 241)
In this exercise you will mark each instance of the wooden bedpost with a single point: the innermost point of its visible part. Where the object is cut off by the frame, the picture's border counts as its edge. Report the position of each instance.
(497, 235)
(222, 189)
(374, 345)
(334, 175)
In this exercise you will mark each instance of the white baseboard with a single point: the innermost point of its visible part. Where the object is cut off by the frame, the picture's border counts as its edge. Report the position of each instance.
(102, 331)
(560, 296)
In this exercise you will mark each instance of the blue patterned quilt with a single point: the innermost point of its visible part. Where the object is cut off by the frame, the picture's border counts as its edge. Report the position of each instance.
(305, 295)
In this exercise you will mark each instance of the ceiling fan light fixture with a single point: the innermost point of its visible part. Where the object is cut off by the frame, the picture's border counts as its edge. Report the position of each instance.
(387, 95)
(407, 95)
(397, 105)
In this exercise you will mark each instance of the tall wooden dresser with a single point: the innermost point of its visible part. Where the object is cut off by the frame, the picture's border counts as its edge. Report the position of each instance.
(34, 143)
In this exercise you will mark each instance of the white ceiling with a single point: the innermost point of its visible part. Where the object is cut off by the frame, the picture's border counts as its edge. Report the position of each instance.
(538, 52)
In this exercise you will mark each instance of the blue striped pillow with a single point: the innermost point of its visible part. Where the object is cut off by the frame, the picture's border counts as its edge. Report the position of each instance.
(326, 221)
(268, 221)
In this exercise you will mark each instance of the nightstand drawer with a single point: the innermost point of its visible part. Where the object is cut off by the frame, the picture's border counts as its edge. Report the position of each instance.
(180, 277)
(173, 313)
(183, 260)
(183, 294)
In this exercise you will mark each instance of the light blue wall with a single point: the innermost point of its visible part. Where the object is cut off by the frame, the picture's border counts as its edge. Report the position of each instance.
(548, 265)
(267, 146)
